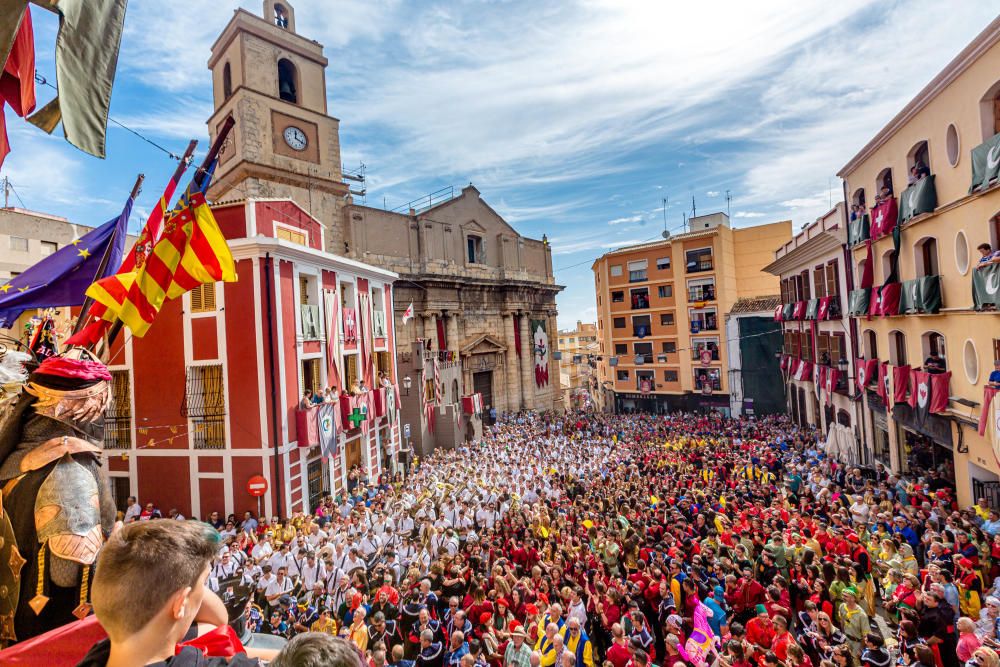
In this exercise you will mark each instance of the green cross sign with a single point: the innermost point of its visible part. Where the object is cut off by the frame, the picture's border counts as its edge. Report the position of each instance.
(356, 417)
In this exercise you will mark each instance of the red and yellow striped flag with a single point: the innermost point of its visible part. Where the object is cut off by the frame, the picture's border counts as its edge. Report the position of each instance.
(191, 251)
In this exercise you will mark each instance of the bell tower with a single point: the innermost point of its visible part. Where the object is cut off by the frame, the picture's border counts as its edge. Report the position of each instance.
(273, 82)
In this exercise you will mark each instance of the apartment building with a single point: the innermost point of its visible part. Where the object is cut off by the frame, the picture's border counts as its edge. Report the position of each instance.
(925, 307)
(660, 309)
(819, 344)
(578, 349)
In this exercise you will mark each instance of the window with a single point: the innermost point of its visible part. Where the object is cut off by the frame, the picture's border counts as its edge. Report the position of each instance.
(952, 145)
(858, 198)
(784, 291)
(311, 379)
(203, 298)
(616, 270)
(118, 417)
(120, 490)
(668, 347)
(227, 81)
(378, 313)
(698, 260)
(666, 319)
(351, 372)
(699, 345)
(619, 323)
(622, 375)
(832, 279)
(703, 320)
(871, 345)
(961, 252)
(383, 364)
(925, 257)
(884, 181)
(617, 297)
(665, 291)
(701, 289)
(474, 249)
(645, 349)
(645, 380)
(293, 235)
(897, 348)
(804, 291)
(970, 361)
(819, 280)
(19, 244)
(205, 406)
(641, 326)
(287, 88)
(888, 260)
(710, 376)
(49, 248)
(640, 298)
(932, 343)
(280, 16)
(670, 376)
(621, 349)
(637, 271)
(663, 263)
(918, 162)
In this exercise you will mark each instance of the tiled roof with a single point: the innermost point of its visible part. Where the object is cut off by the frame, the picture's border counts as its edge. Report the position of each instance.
(756, 304)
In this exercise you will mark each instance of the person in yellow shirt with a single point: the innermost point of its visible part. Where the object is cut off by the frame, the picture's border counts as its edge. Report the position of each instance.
(324, 623)
(358, 632)
(579, 644)
(982, 509)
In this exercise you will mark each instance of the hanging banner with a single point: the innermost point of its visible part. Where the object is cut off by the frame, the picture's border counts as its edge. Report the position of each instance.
(540, 341)
(326, 422)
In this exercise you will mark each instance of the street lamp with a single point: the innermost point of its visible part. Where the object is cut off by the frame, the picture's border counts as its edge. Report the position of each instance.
(407, 383)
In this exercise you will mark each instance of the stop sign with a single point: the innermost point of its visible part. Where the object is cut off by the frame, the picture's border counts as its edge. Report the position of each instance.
(257, 486)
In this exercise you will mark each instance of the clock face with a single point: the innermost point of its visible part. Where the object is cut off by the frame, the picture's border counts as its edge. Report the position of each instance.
(295, 138)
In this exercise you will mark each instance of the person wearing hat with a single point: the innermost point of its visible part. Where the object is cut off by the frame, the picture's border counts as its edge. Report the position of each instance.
(760, 629)
(853, 620)
(518, 653)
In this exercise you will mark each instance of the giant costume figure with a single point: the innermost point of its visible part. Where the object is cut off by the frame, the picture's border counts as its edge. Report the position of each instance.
(55, 504)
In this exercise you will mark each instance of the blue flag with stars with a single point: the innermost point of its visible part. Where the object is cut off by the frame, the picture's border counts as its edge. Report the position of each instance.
(61, 279)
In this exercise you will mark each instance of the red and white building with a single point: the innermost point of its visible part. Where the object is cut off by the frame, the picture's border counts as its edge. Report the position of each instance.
(209, 397)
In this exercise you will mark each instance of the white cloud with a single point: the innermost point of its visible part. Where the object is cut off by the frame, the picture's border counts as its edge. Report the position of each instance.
(624, 220)
(748, 214)
(712, 193)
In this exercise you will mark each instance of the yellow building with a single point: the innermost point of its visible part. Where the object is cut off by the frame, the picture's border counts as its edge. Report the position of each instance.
(660, 310)
(579, 349)
(925, 158)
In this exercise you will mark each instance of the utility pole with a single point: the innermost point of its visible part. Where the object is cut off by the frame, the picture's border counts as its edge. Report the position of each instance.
(729, 200)
(6, 192)
(694, 210)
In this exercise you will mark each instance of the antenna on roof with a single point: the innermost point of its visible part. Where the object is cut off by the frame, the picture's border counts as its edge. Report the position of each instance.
(729, 200)
(694, 210)
(685, 221)
(666, 232)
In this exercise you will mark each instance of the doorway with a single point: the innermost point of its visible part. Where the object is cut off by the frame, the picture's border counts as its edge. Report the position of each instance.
(353, 452)
(318, 480)
(482, 383)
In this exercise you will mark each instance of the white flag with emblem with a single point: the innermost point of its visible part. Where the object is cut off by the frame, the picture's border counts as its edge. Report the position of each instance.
(408, 313)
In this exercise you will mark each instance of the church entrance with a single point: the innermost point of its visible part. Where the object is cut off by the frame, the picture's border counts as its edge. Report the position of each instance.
(353, 452)
(482, 383)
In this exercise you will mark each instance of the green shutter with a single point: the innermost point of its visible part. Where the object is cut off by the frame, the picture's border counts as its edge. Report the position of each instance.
(857, 301)
(929, 291)
(985, 162)
(812, 309)
(919, 198)
(986, 287)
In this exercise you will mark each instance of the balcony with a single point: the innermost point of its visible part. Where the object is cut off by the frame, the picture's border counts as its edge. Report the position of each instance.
(697, 351)
(812, 309)
(640, 301)
(699, 266)
(445, 358)
(919, 198)
(309, 315)
(709, 323)
(858, 230)
(921, 295)
(703, 293)
(637, 276)
(984, 171)
(858, 301)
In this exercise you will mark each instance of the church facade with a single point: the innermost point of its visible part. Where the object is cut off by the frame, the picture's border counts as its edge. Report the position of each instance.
(482, 295)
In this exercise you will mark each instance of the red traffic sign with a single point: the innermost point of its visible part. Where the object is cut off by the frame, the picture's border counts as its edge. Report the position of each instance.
(256, 486)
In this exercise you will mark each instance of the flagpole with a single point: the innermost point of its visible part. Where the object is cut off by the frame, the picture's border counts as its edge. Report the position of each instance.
(102, 267)
(198, 179)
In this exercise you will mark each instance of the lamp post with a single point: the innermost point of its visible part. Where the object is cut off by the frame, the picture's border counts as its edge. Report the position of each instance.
(407, 383)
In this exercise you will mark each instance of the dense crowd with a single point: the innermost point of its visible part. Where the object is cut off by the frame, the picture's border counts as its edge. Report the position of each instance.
(627, 541)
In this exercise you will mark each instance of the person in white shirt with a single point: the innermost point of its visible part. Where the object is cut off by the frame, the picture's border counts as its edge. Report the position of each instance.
(311, 572)
(354, 561)
(281, 585)
(133, 510)
(263, 549)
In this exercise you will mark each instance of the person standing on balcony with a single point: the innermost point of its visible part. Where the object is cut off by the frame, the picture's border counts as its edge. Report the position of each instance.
(994, 379)
(988, 256)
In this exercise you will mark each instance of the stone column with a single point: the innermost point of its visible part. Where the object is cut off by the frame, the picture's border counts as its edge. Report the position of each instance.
(512, 370)
(554, 387)
(451, 332)
(527, 364)
(430, 331)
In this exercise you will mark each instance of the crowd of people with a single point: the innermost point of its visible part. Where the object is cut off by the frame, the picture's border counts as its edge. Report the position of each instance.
(626, 541)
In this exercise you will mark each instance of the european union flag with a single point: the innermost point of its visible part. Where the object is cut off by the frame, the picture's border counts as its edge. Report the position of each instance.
(62, 278)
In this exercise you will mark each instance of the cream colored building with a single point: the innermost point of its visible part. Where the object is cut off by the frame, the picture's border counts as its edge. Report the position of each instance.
(660, 310)
(958, 111)
(579, 350)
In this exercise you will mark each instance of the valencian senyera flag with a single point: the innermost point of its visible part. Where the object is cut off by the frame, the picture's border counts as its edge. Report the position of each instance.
(921, 197)
(985, 163)
(191, 251)
(61, 279)
(986, 286)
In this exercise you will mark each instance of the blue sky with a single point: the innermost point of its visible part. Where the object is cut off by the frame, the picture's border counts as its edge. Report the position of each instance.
(574, 119)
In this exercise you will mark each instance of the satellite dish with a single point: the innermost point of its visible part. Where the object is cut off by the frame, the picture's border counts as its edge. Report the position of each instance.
(665, 234)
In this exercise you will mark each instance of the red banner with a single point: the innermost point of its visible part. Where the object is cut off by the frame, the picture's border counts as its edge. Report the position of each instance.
(900, 377)
(799, 312)
(939, 384)
(882, 389)
(777, 313)
(866, 370)
(821, 375)
(984, 409)
(916, 379)
(350, 325)
(888, 299)
(823, 313)
(868, 273)
(884, 218)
